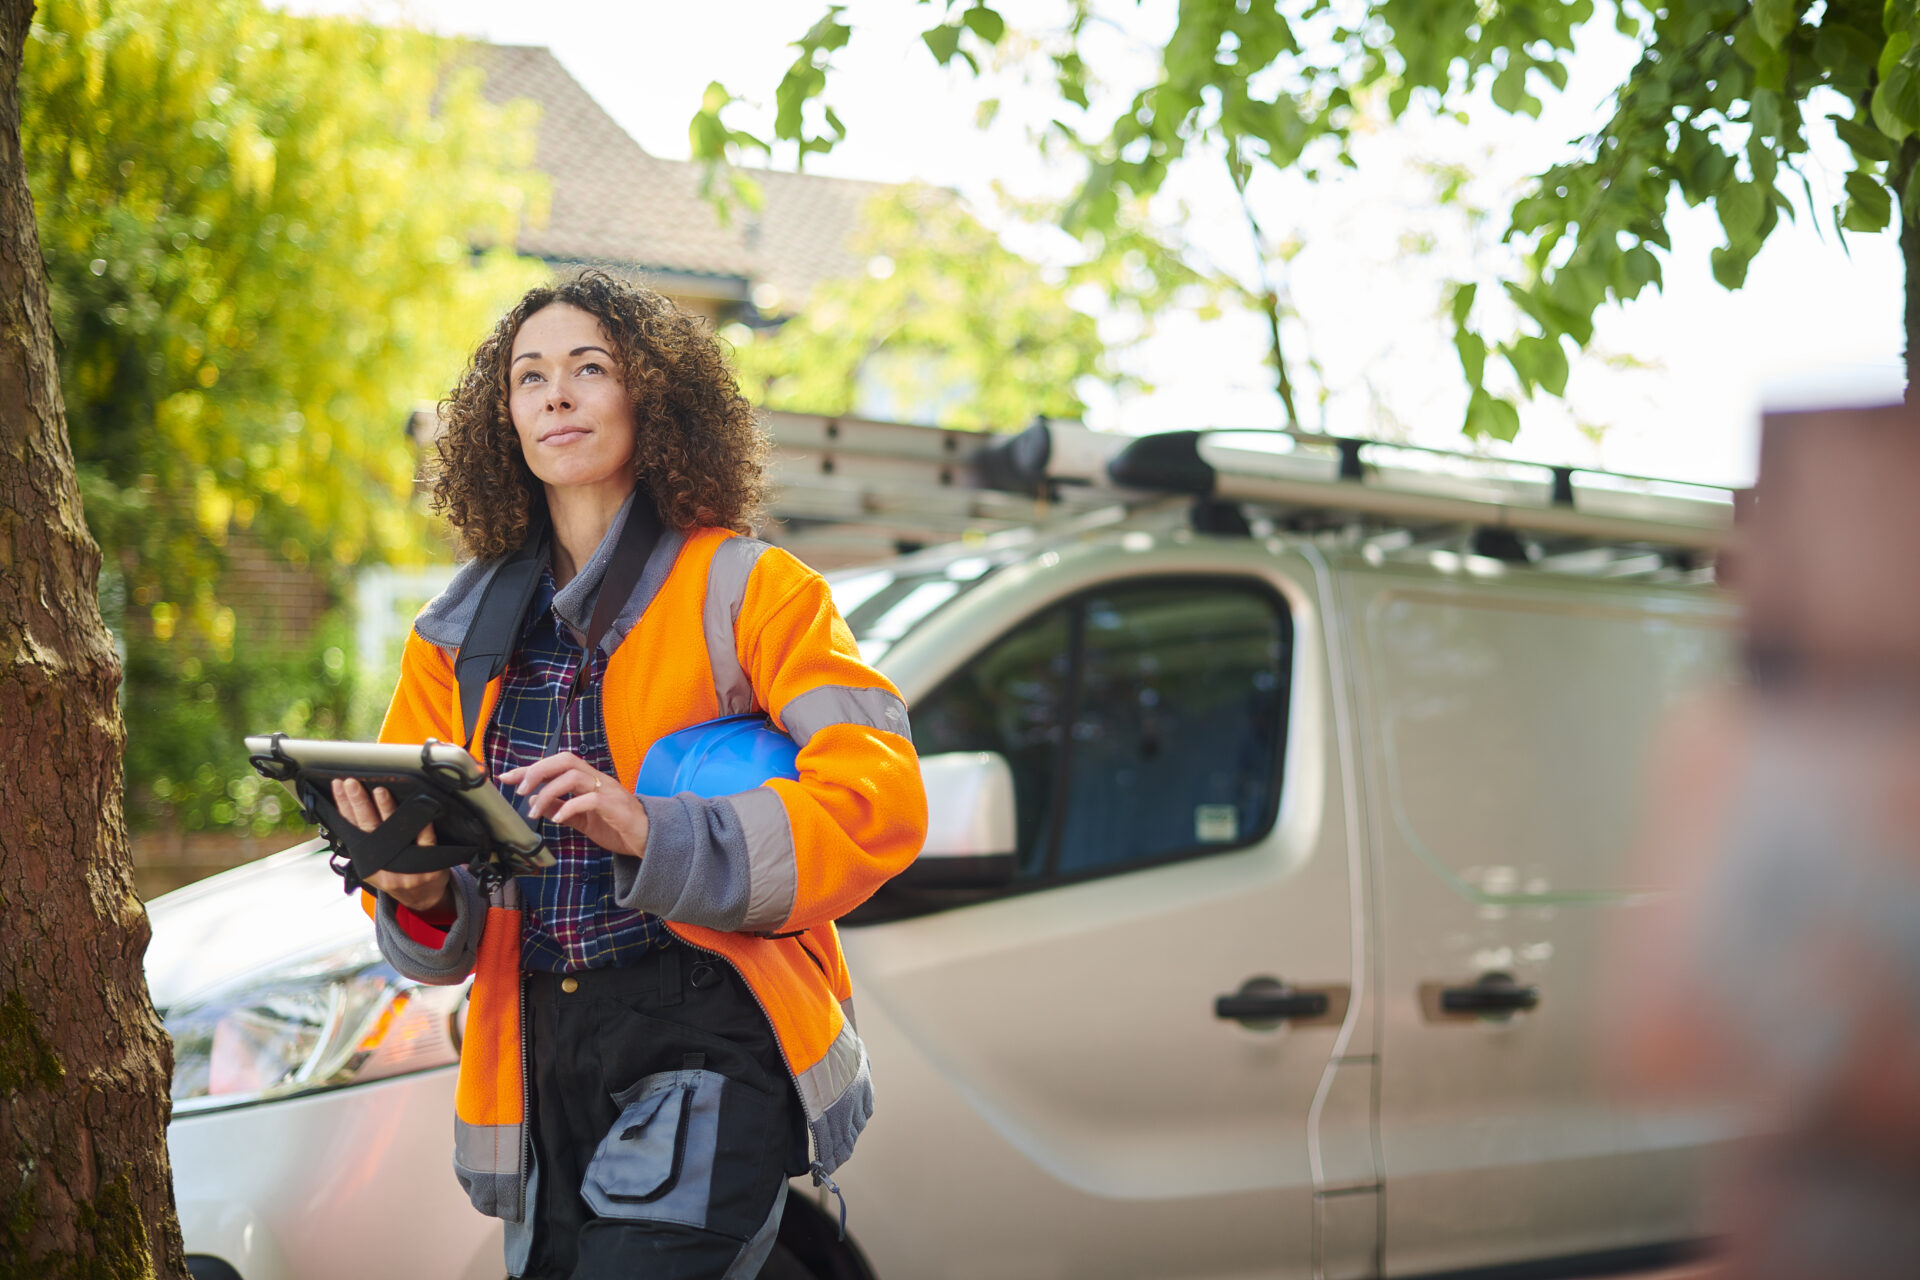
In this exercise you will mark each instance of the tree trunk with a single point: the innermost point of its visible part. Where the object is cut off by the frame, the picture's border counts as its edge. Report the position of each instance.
(85, 1190)
(1902, 168)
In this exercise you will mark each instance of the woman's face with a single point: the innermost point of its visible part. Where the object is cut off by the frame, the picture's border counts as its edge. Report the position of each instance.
(567, 402)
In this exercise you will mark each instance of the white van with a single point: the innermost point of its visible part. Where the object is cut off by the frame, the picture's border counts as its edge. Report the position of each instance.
(1276, 829)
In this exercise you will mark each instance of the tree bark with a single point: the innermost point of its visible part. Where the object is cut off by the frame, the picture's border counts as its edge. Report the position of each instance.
(85, 1189)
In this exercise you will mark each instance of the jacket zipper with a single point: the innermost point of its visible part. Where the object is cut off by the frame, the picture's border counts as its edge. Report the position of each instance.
(761, 1005)
(526, 1110)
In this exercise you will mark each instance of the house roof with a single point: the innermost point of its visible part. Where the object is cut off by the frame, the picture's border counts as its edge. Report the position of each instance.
(614, 203)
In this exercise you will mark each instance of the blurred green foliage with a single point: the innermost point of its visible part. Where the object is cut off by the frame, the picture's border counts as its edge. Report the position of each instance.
(259, 232)
(946, 325)
(1719, 108)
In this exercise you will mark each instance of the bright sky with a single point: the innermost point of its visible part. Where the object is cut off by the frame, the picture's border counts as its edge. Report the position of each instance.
(1814, 320)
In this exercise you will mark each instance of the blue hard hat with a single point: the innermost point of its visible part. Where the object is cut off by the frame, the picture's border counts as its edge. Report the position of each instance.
(717, 758)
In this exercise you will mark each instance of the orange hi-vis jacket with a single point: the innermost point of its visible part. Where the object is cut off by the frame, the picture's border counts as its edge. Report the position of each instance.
(718, 625)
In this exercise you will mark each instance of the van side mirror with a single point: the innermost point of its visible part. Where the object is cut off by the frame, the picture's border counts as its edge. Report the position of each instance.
(971, 837)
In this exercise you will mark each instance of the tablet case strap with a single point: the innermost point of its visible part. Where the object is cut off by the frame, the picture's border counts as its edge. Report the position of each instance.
(396, 833)
(495, 628)
(357, 854)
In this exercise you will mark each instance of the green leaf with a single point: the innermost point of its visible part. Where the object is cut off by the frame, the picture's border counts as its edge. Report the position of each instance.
(1463, 303)
(1741, 205)
(943, 42)
(830, 33)
(1491, 416)
(1769, 63)
(1729, 268)
(1641, 266)
(1898, 42)
(1869, 203)
(1896, 103)
(1868, 143)
(1510, 87)
(1071, 75)
(1547, 361)
(1775, 20)
(1473, 355)
(1479, 423)
(1506, 419)
(985, 23)
(1910, 198)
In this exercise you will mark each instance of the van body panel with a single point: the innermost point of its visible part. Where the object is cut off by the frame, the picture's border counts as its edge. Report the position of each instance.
(1068, 1068)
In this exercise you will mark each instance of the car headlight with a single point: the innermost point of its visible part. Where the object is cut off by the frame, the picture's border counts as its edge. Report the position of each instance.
(336, 1019)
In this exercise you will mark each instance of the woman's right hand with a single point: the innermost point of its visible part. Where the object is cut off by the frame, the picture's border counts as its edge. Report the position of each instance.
(424, 893)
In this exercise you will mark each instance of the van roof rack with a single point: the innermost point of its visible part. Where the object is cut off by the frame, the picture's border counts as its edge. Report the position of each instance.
(943, 482)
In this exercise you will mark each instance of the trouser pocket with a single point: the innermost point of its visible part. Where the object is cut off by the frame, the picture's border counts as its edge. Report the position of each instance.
(656, 1162)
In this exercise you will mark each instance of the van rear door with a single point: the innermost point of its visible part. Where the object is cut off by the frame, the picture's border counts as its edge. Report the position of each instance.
(1506, 720)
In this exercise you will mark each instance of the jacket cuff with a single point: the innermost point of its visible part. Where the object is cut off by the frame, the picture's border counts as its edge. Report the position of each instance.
(452, 960)
(694, 868)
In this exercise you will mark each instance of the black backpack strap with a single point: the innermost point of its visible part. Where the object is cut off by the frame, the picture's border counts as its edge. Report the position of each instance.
(638, 537)
(630, 555)
(495, 628)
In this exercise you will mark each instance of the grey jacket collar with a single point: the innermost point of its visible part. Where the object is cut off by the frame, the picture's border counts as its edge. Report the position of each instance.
(445, 620)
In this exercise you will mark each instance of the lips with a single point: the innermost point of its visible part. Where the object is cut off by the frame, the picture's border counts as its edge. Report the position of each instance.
(565, 435)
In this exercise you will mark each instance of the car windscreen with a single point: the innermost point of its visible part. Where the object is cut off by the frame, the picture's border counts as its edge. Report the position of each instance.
(883, 603)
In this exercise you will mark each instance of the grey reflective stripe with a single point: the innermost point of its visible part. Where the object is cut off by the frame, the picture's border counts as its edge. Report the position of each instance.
(846, 1007)
(727, 578)
(773, 880)
(822, 1084)
(486, 1148)
(486, 1160)
(843, 1112)
(815, 709)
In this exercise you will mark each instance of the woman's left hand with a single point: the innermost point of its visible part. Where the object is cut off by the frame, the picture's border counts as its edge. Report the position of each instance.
(571, 792)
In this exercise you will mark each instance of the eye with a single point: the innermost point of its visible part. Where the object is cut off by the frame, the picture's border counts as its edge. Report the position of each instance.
(528, 376)
(591, 367)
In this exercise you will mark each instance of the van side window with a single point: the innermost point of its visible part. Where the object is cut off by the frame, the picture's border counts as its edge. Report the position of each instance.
(1011, 699)
(1142, 722)
(1178, 727)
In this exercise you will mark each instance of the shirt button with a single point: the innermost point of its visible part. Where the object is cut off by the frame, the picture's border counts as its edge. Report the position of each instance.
(569, 984)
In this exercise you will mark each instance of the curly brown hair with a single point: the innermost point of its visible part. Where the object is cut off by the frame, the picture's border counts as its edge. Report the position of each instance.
(697, 447)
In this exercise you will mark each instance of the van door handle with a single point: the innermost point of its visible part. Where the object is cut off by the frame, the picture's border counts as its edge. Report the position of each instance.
(1492, 995)
(1263, 1003)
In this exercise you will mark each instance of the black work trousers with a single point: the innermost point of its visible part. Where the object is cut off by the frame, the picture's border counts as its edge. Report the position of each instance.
(665, 1123)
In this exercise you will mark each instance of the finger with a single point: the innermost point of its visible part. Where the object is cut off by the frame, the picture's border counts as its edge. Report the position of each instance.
(529, 777)
(383, 801)
(577, 781)
(548, 793)
(354, 805)
(427, 836)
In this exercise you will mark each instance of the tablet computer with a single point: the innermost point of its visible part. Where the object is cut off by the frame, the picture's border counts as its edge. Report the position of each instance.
(432, 781)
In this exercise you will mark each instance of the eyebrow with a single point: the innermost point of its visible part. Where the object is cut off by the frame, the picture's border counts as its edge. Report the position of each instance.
(577, 351)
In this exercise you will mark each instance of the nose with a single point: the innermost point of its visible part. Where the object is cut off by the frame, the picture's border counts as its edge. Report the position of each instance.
(557, 398)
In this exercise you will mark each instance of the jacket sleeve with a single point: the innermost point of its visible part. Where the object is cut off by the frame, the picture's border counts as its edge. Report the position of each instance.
(421, 709)
(792, 855)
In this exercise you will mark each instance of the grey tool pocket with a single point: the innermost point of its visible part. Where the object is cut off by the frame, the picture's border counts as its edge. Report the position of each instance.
(656, 1163)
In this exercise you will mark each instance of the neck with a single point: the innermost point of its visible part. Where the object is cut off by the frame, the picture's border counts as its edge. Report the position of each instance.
(581, 517)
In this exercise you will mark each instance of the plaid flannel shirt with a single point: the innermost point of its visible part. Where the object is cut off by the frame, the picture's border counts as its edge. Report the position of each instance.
(571, 921)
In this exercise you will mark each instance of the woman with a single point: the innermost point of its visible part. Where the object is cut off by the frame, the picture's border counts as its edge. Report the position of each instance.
(682, 1026)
